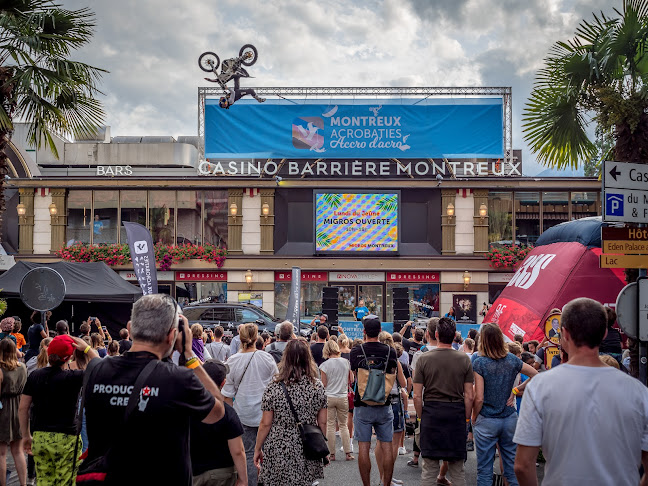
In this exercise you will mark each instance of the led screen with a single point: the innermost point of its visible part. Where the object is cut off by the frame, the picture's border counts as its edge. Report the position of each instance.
(357, 221)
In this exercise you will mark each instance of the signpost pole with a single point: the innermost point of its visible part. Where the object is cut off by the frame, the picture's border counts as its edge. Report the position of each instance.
(643, 345)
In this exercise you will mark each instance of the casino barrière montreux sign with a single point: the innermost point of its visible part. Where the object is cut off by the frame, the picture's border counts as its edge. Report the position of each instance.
(405, 168)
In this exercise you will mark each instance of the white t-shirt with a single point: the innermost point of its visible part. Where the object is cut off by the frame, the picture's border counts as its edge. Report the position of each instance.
(261, 369)
(418, 354)
(337, 376)
(592, 424)
(219, 351)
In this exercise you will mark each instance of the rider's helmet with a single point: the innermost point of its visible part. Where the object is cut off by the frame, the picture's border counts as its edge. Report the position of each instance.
(223, 103)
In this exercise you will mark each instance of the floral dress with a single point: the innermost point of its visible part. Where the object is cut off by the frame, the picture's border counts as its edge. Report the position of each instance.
(283, 456)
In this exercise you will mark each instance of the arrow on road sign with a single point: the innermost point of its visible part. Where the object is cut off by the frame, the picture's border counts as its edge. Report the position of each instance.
(614, 172)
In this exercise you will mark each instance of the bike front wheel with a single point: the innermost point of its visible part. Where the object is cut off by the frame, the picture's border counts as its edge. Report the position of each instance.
(208, 61)
(248, 48)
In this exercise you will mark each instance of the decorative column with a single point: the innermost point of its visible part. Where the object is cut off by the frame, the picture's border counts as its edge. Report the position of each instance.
(26, 222)
(59, 220)
(448, 223)
(235, 222)
(267, 221)
(480, 196)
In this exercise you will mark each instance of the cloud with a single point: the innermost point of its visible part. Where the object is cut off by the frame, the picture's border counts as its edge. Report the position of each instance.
(151, 49)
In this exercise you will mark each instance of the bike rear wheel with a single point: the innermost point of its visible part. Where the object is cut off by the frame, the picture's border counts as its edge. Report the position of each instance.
(208, 61)
(250, 60)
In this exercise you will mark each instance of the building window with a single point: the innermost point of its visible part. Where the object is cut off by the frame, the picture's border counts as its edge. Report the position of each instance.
(133, 210)
(79, 217)
(527, 217)
(189, 218)
(555, 209)
(423, 297)
(215, 218)
(584, 205)
(311, 299)
(162, 216)
(187, 292)
(105, 222)
(500, 218)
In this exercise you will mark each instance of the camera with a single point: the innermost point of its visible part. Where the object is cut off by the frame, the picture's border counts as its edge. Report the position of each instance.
(93, 320)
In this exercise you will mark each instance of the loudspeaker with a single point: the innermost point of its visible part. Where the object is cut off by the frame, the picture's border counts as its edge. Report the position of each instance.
(400, 298)
(330, 304)
(398, 325)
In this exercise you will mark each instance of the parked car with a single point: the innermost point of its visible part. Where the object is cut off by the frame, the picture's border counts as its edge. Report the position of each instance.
(229, 316)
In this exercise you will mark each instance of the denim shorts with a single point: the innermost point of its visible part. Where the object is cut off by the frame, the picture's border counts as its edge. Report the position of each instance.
(399, 423)
(378, 418)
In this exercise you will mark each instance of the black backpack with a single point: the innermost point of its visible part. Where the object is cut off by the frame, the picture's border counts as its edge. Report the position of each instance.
(274, 352)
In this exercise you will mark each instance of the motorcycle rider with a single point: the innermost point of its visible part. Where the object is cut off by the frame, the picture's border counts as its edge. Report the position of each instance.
(230, 71)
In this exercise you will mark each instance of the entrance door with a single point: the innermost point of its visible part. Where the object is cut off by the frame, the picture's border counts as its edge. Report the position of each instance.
(372, 295)
(349, 297)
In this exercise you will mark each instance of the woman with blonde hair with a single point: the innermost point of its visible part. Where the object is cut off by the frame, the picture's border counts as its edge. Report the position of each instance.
(279, 451)
(40, 360)
(250, 372)
(98, 345)
(336, 377)
(396, 396)
(494, 421)
(14, 376)
(344, 343)
(197, 344)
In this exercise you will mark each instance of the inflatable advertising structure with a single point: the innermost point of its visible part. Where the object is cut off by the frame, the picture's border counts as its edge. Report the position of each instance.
(563, 266)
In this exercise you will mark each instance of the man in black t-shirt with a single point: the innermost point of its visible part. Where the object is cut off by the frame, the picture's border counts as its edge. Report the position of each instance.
(411, 346)
(217, 451)
(318, 347)
(373, 355)
(156, 448)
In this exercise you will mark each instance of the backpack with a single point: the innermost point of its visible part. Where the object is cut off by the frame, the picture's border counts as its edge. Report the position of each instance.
(374, 385)
(274, 352)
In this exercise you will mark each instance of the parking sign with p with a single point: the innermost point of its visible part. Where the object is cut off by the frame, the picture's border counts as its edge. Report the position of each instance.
(614, 204)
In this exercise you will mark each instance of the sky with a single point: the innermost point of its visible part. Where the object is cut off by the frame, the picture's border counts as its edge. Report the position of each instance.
(151, 48)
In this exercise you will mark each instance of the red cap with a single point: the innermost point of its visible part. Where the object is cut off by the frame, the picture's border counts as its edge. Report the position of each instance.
(63, 346)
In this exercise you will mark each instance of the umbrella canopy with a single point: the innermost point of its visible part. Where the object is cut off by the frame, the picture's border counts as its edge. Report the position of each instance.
(563, 267)
(92, 282)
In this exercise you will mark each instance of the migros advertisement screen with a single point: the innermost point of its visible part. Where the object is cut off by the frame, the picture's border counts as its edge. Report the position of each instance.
(357, 221)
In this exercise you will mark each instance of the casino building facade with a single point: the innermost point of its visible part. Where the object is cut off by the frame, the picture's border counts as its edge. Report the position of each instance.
(449, 212)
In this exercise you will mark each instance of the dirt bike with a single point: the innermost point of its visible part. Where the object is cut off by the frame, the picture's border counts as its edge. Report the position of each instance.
(231, 68)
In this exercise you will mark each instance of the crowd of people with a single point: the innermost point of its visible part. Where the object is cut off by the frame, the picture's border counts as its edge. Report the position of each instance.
(170, 403)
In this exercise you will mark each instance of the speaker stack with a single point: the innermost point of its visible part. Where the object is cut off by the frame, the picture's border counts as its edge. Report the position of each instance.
(401, 308)
(330, 307)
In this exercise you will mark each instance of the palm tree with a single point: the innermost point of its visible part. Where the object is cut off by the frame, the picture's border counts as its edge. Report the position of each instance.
(38, 83)
(600, 75)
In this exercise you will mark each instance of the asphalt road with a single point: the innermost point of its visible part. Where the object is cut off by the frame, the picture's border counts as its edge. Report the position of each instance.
(342, 473)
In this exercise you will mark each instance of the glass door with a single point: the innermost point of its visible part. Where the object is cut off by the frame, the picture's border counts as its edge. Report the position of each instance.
(346, 302)
(372, 297)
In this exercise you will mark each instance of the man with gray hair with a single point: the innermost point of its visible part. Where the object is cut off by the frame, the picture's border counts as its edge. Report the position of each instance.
(590, 419)
(167, 397)
(284, 332)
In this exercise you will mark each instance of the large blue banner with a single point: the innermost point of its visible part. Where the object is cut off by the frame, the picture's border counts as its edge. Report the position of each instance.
(306, 129)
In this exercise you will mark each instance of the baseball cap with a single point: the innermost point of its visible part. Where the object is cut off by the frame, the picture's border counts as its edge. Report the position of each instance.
(63, 346)
(371, 323)
(216, 370)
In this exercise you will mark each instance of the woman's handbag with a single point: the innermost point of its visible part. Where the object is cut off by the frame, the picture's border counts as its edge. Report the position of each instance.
(351, 398)
(313, 440)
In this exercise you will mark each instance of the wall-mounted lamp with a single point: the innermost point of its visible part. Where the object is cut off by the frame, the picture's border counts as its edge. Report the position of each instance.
(53, 210)
(466, 279)
(21, 209)
(265, 210)
(248, 279)
(450, 211)
(483, 212)
(233, 210)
